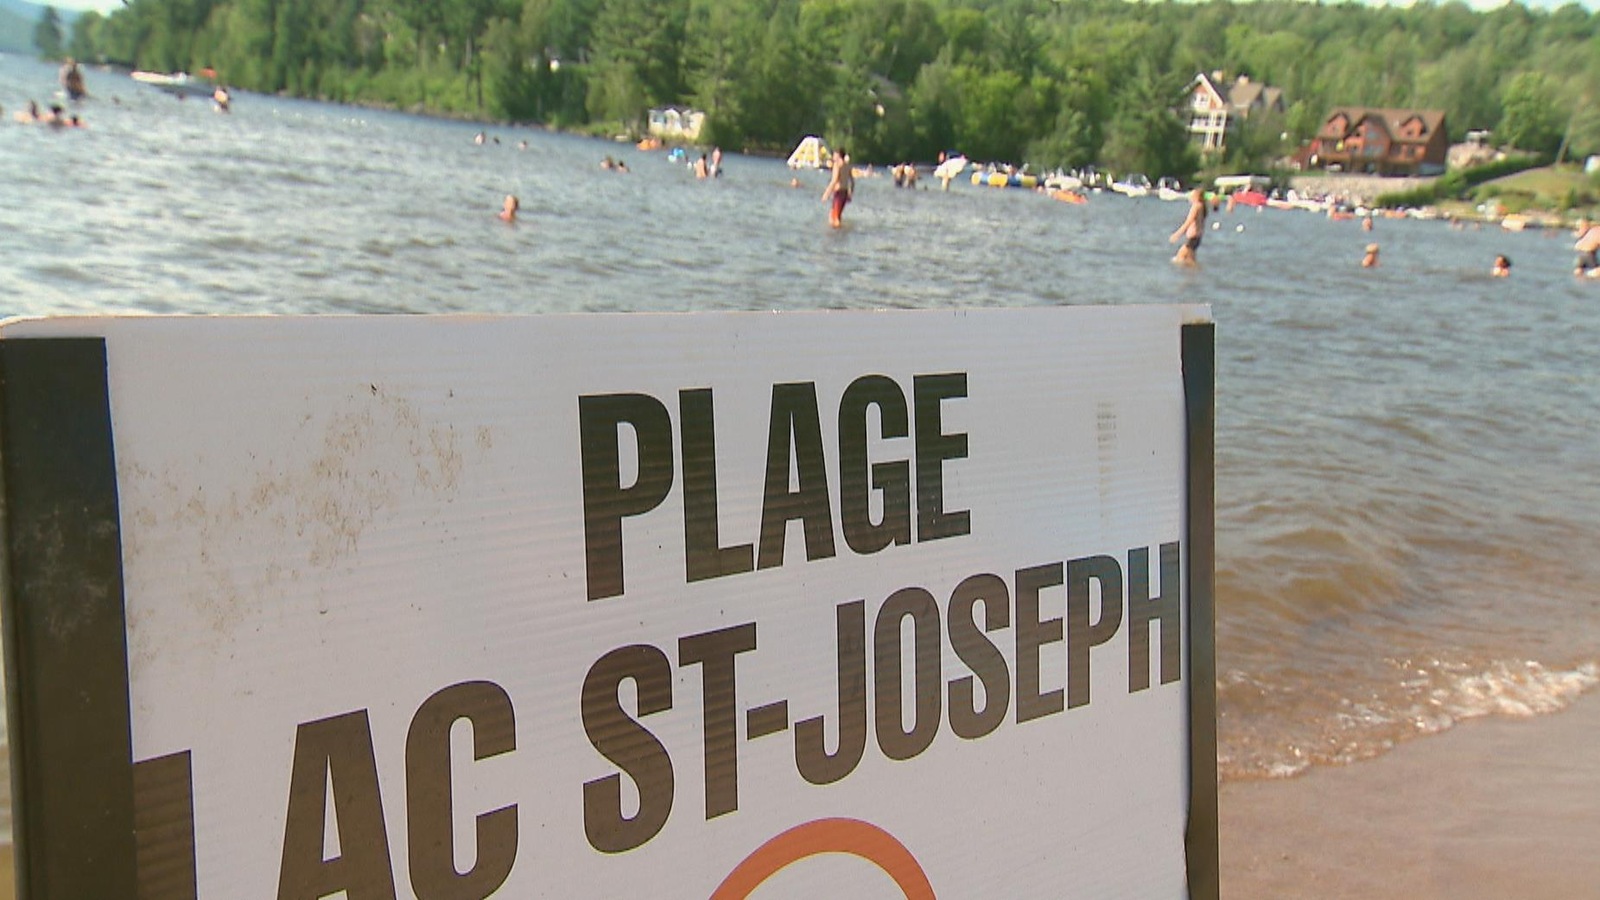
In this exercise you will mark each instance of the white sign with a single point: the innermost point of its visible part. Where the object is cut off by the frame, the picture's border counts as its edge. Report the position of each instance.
(868, 605)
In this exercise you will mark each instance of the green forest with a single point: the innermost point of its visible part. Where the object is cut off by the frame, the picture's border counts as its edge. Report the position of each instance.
(1068, 83)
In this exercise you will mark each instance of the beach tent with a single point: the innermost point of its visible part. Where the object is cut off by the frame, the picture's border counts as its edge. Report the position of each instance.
(812, 153)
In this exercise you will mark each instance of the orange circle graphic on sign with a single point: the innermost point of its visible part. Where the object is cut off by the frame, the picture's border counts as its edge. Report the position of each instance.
(849, 836)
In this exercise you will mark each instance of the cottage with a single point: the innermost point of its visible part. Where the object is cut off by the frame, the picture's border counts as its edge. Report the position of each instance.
(675, 124)
(1381, 141)
(1216, 108)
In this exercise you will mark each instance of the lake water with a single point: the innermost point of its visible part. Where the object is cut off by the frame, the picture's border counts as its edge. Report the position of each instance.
(1408, 458)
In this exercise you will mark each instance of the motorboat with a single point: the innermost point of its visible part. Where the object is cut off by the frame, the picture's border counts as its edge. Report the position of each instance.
(1063, 182)
(179, 84)
(1132, 186)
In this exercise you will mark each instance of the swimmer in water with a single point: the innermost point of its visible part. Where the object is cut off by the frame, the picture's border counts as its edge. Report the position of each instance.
(1587, 247)
(508, 209)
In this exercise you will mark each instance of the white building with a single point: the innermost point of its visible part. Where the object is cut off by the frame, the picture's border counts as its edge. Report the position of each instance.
(672, 123)
(1215, 107)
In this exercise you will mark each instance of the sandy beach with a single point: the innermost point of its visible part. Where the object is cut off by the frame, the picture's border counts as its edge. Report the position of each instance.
(1495, 808)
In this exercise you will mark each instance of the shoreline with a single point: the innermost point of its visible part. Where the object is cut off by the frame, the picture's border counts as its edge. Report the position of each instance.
(1494, 808)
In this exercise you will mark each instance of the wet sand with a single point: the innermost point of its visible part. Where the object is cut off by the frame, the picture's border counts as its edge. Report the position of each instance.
(1495, 808)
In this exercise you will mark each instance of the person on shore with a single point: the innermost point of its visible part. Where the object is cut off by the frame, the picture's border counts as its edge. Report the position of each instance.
(508, 209)
(1192, 229)
(1502, 267)
(1587, 245)
(841, 187)
(1370, 260)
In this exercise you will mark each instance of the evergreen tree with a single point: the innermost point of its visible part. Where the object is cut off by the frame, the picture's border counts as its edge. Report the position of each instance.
(47, 34)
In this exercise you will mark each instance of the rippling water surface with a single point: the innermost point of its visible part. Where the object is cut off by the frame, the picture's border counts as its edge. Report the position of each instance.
(1408, 463)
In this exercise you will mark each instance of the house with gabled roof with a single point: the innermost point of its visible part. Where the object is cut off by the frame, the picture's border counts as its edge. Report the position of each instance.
(1216, 107)
(1381, 141)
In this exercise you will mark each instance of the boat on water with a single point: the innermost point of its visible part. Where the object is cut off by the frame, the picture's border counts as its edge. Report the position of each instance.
(179, 84)
(1061, 181)
(1132, 186)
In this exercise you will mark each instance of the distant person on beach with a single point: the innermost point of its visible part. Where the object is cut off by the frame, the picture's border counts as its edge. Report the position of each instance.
(508, 209)
(1502, 267)
(841, 187)
(1587, 245)
(1370, 260)
(1193, 227)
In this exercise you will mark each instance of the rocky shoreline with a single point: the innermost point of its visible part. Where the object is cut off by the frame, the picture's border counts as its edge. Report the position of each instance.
(1359, 190)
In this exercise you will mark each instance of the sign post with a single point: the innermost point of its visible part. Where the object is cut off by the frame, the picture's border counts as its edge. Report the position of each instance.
(905, 604)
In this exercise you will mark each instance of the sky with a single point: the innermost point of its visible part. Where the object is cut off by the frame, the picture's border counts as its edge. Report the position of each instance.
(108, 5)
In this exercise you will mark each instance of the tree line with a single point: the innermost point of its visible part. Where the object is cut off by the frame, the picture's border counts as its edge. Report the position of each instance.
(1066, 83)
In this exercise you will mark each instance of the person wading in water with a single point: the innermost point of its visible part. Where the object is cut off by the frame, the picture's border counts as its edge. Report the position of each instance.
(1191, 230)
(841, 187)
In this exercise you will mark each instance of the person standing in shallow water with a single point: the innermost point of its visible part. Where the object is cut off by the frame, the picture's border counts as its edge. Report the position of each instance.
(841, 187)
(1193, 227)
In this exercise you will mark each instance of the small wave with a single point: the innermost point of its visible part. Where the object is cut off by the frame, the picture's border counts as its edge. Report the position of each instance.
(1517, 690)
(1433, 697)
